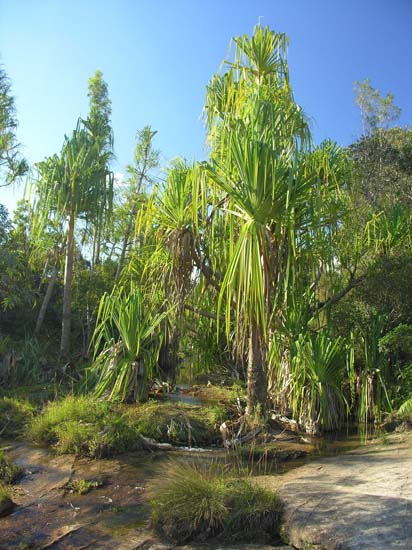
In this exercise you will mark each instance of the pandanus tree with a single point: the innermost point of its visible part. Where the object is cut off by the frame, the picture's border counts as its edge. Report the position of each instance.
(12, 165)
(279, 197)
(72, 185)
(98, 125)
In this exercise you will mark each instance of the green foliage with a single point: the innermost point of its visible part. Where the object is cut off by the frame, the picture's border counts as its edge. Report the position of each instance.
(195, 503)
(377, 111)
(14, 415)
(398, 343)
(84, 426)
(82, 486)
(405, 410)
(12, 165)
(316, 383)
(126, 345)
(382, 169)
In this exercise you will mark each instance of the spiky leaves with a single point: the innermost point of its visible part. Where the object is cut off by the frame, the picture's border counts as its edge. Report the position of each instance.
(282, 197)
(126, 343)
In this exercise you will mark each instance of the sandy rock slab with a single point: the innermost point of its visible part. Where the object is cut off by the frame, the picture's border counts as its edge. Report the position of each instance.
(358, 501)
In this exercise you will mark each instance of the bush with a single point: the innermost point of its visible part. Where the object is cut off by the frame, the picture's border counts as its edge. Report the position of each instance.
(84, 426)
(14, 415)
(195, 503)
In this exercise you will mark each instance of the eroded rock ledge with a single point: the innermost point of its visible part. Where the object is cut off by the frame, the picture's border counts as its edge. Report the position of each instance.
(358, 501)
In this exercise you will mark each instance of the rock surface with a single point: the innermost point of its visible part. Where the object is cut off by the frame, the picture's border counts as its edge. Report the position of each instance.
(358, 501)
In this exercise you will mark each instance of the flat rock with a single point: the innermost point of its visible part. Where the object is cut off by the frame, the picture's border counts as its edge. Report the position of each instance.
(358, 501)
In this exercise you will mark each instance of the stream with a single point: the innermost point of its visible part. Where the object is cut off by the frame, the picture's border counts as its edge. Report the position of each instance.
(114, 515)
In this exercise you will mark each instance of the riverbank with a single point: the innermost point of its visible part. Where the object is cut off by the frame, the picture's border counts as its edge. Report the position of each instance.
(358, 501)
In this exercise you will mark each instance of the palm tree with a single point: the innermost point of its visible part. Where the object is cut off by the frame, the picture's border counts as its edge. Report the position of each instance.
(74, 184)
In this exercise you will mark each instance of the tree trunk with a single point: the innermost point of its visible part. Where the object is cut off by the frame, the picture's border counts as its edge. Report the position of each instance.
(46, 301)
(67, 295)
(256, 377)
(168, 356)
(125, 244)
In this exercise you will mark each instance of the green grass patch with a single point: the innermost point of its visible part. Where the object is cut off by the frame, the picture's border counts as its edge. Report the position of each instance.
(14, 415)
(82, 486)
(220, 394)
(9, 471)
(84, 426)
(178, 423)
(194, 503)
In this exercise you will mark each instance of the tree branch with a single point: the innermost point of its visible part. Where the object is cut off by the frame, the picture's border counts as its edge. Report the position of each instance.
(353, 283)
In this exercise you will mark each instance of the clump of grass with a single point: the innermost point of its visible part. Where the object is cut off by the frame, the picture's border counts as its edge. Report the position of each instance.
(9, 471)
(178, 423)
(14, 415)
(195, 503)
(84, 426)
(82, 486)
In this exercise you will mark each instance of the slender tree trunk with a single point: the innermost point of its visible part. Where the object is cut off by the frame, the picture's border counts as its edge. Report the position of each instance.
(67, 295)
(98, 245)
(46, 301)
(256, 377)
(125, 244)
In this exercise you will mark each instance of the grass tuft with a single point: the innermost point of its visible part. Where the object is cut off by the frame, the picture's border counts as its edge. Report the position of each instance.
(195, 503)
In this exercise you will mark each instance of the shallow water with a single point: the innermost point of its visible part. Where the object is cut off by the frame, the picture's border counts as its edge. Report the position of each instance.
(115, 514)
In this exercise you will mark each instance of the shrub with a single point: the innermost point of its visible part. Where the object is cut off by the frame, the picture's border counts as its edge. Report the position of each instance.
(195, 503)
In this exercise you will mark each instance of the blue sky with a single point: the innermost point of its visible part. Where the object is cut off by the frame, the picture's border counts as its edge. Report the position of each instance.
(157, 57)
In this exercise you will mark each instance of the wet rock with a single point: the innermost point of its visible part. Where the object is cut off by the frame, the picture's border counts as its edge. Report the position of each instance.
(6, 507)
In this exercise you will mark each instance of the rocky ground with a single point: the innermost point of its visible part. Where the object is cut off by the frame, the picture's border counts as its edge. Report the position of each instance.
(358, 501)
